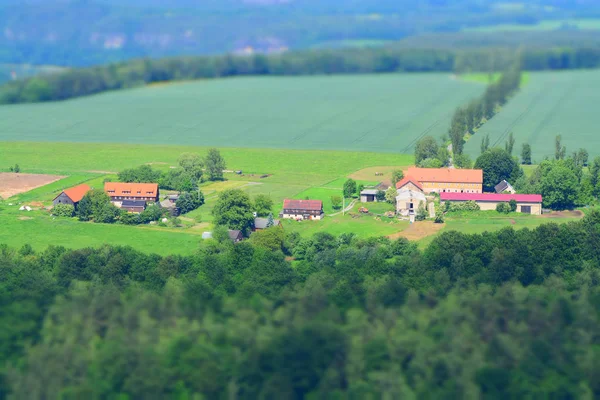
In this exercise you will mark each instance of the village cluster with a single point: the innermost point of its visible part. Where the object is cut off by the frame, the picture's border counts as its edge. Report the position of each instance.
(419, 189)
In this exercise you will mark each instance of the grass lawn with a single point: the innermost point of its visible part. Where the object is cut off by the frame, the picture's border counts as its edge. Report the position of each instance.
(40, 230)
(361, 226)
(549, 25)
(491, 78)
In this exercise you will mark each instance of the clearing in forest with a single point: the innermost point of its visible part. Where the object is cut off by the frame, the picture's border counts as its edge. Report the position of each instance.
(379, 113)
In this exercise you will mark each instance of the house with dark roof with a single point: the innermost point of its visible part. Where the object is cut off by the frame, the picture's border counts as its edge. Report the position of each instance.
(133, 206)
(526, 203)
(235, 236)
(504, 187)
(368, 195)
(72, 195)
(302, 209)
(263, 223)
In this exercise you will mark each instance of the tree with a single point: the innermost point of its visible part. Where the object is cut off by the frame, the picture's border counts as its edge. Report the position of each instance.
(457, 131)
(336, 202)
(463, 161)
(193, 165)
(513, 205)
(349, 188)
(595, 175)
(397, 176)
(425, 148)
(178, 179)
(233, 210)
(581, 158)
(443, 155)
(359, 189)
(17, 169)
(560, 151)
(497, 165)
(107, 213)
(390, 195)
(141, 174)
(526, 154)
(94, 203)
(152, 213)
(263, 205)
(510, 144)
(380, 196)
(190, 201)
(270, 221)
(503, 208)
(421, 212)
(63, 210)
(559, 188)
(215, 165)
(485, 143)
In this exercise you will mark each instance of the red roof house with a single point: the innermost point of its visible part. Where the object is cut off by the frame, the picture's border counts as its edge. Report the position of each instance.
(72, 195)
(408, 180)
(302, 209)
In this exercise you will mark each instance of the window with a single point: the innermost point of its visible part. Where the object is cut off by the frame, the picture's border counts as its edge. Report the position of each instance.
(139, 192)
(126, 191)
(149, 192)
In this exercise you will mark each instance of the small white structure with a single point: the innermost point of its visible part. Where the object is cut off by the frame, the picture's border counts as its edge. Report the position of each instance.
(207, 235)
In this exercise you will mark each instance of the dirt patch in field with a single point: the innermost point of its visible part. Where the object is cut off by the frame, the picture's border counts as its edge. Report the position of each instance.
(24, 218)
(12, 184)
(418, 231)
(374, 174)
(564, 214)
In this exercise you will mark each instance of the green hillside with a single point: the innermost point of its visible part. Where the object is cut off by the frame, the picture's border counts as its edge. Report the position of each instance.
(551, 104)
(382, 113)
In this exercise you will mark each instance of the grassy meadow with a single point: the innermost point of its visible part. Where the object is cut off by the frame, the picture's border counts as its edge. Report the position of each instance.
(552, 103)
(549, 25)
(377, 113)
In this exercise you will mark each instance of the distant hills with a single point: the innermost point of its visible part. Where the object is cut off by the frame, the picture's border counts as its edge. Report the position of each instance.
(88, 32)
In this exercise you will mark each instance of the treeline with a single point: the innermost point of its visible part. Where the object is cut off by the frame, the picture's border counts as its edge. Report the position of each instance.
(467, 119)
(87, 81)
(323, 317)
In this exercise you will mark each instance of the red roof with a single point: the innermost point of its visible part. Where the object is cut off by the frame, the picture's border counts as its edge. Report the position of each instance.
(119, 189)
(308, 205)
(76, 193)
(406, 180)
(449, 175)
(493, 197)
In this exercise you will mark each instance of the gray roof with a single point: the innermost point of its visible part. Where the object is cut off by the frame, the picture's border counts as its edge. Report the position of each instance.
(261, 223)
(133, 203)
(173, 197)
(167, 204)
(371, 192)
(233, 235)
(501, 187)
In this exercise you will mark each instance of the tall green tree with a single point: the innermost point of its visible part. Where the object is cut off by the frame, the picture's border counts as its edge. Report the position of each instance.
(193, 165)
(457, 131)
(349, 189)
(485, 143)
(425, 148)
(497, 165)
(263, 204)
(397, 176)
(190, 201)
(526, 154)
(510, 144)
(215, 165)
(560, 151)
(234, 210)
(559, 188)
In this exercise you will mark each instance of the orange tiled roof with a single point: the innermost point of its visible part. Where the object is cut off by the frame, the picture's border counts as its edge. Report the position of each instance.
(76, 193)
(406, 180)
(120, 189)
(446, 175)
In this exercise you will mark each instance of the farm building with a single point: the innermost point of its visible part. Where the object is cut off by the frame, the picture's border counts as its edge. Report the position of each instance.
(448, 180)
(118, 191)
(133, 206)
(171, 207)
(526, 203)
(72, 195)
(262, 223)
(409, 183)
(368, 195)
(236, 236)
(504, 187)
(408, 201)
(302, 209)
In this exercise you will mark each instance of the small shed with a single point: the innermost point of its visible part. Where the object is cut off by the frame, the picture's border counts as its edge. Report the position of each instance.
(368, 195)
(236, 236)
(263, 223)
(173, 198)
(504, 187)
(133, 206)
(207, 235)
(173, 210)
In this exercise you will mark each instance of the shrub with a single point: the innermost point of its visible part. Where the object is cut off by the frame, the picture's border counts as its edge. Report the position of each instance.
(336, 202)
(513, 205)
(421, 212)
(190, 201)
(439, 219)
(465, 206)
(130, 218)
(503, 208)
(63, 210)
(380, 196)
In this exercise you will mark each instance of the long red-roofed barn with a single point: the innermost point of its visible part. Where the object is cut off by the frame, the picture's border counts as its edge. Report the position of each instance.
(302, 209)
(526, 203)
(447, 180)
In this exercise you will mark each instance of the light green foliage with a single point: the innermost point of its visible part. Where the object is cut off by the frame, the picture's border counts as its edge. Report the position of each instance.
(390, 195)
(336, 202)
(234, 210)
(469, 206)
(94, 204)
(503, 208)
(425, 148)
(463, 161)
(349, 189)
(189, 201)
(192, 164)
(329, 113)
(397, 176)
(141, 174)
(263, 205)
(271, 238)
(63, 210)
(215, 165)
(559, 188)
(421, 212)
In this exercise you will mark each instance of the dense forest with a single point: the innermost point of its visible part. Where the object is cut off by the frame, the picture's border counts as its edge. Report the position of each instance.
(511, 314)
(84, 33)
(86, 81)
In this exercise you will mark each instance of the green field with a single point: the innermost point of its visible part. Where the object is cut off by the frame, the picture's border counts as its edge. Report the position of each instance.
(552, 103)
(23, 71)
(382, 113)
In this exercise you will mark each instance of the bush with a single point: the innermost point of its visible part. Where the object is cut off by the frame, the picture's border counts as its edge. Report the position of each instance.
(63, 210)
(513, 205)
(439, 219)
(380, 196)
(466, 206)
(151, 213)
(130, 218)
(421, 213)
(190, 201)
(503, 208)
(336, 202)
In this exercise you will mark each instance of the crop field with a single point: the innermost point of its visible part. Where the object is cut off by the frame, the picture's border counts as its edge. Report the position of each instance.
(551, 104)
(379, 113)
(549, 25)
